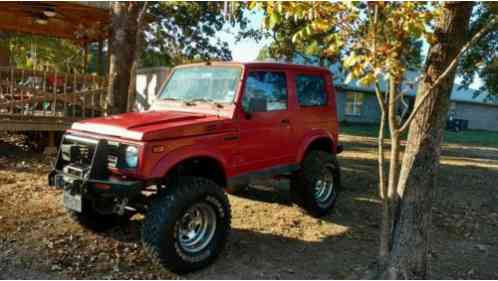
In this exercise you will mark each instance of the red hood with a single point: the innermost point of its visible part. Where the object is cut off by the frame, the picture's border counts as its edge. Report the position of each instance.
(144, 125)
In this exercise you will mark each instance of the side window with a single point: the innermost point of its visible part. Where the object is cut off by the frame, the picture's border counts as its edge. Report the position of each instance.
(310, 90)
(266, 85)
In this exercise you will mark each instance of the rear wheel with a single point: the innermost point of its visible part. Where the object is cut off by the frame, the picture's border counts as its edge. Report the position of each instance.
(315, 186)
(187, 226)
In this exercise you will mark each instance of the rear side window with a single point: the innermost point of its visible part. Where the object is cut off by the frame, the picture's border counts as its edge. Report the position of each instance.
(269, 85)
(310, 90)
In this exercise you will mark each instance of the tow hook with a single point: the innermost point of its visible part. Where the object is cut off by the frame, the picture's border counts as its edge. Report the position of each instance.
(120, 207)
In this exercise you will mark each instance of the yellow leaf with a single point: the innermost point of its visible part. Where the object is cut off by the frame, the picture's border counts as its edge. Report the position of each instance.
(367, 80)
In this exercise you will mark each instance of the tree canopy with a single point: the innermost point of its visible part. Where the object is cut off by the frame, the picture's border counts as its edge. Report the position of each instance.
(482, 58)
(35, 52)
(181, 32)
(333, 30)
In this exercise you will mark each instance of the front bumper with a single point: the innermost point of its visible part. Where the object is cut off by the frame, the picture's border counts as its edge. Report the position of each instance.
(111, 187)
(83, 169)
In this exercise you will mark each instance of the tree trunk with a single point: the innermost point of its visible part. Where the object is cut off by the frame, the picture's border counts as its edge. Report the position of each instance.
(417, 180)
(390, 195)
(140, 39)
(122, 47)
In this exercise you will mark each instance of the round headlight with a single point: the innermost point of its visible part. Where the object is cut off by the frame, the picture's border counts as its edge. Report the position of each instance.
(131, 156)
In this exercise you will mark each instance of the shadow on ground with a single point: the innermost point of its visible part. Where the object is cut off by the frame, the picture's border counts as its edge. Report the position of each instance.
(270, 238)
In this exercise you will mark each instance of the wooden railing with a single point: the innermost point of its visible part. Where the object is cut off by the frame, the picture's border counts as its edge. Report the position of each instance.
(30, 93)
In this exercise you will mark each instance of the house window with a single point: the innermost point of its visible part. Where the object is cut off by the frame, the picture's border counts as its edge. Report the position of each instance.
(452, 111)
(354, 103)
(453, 106)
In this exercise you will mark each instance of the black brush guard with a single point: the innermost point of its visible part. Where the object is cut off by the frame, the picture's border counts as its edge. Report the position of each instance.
(72, 173)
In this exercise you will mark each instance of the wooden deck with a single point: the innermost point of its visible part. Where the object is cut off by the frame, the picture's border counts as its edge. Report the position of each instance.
(47, 101)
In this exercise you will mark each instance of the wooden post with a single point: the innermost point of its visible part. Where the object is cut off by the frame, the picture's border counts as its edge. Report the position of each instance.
(54, 91)
(64, 95)
(84, 95)
(51, 138)
(92, 100)
(1, 85)
(100, 54)
(21, 92)
(73, 94)
(44, 87)
(11, 90)
(50, 149)
(85, 58)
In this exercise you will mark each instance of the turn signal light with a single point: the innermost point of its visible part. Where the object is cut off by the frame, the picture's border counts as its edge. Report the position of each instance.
(102, 186)
(158, 148)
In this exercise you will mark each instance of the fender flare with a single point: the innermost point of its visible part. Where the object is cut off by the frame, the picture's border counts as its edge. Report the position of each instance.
(172, 158)
(310, 138)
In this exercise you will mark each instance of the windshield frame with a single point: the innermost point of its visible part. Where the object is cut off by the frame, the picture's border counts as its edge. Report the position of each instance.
(237, 88)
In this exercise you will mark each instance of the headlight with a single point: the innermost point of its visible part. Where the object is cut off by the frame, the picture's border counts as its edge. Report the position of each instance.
(131, 156)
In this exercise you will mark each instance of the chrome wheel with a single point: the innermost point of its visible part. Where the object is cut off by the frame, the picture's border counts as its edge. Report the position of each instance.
(196, 228)
(324, 188)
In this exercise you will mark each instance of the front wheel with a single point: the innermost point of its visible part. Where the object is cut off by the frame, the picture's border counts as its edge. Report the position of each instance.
(186, 227)
(315, 186)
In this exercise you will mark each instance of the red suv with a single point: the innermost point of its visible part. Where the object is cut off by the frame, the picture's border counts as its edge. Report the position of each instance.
(214, 127)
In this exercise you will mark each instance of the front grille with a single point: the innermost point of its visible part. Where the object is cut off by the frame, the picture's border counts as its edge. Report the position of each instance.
(83, 158)
(77, 150)
(114, 154)
(77, 170)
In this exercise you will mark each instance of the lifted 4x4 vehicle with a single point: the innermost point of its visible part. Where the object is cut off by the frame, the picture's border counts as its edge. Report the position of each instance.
(215, 127)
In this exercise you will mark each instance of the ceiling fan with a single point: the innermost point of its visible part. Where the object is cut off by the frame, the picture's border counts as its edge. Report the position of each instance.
(41, 12)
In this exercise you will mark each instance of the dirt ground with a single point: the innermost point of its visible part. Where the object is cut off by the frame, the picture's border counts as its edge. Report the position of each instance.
(270, 239)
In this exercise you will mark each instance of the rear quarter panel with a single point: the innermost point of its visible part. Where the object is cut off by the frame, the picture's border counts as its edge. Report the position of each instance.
(313, 122)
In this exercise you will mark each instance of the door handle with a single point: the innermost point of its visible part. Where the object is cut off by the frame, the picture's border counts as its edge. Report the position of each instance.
(285, 121)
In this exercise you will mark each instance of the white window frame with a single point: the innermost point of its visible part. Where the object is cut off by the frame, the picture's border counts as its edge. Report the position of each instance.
(356, 105)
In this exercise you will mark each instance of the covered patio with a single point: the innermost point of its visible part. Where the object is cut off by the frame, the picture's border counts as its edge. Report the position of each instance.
(45, 100)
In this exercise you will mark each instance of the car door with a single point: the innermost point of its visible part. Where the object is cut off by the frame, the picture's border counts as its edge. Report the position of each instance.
(262, 134)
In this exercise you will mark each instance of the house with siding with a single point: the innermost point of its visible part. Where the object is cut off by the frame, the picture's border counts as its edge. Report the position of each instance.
(477, 110)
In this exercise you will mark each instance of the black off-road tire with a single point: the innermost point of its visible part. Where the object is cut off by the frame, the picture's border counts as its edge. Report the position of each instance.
(92, 220)
(160, 227)
(304, 181)
(235, 190)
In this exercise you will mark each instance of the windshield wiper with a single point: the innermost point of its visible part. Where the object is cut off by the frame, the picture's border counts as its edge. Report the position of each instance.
(192, 102)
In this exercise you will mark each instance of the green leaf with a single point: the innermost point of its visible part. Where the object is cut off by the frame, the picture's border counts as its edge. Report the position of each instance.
(313, 48)
(274, 20)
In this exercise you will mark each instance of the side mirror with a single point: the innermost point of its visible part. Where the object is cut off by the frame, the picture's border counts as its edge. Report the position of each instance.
(254, 101)
(258, 104)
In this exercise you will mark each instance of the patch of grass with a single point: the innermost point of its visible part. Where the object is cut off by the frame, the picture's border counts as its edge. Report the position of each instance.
(470, 137)
(478, 137)
(362, 130)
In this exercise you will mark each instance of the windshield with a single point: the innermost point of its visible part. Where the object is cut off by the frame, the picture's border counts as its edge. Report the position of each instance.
(202, 83)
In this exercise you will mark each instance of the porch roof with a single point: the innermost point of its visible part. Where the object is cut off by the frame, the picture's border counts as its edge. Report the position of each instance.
(79, 21)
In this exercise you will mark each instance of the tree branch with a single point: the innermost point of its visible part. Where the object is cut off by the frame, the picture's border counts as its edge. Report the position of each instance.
(378, 93)
(443, 75)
